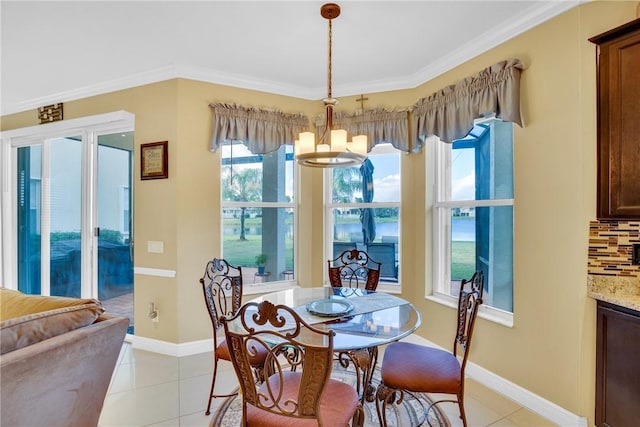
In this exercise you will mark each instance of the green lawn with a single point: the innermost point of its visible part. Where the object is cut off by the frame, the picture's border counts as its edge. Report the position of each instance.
(463, 263)
(239, 252)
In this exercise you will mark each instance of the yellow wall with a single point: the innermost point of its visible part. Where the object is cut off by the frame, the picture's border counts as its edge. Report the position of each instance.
(550, 350)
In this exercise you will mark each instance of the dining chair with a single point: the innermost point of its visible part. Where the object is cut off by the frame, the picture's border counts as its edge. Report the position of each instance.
(412, 368)
(297, 389)
(222, 288)
(354, 269)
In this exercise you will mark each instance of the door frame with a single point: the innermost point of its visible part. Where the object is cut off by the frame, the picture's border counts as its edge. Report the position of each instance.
(89, 127)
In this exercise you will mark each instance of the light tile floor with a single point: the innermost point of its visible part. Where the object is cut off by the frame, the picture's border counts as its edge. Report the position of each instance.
(149, 389)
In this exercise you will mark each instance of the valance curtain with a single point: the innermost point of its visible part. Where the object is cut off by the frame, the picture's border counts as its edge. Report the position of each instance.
(379, 125)
(261, 130)
(450, 112)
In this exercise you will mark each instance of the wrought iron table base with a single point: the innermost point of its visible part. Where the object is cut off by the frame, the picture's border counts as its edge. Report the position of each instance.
(364, 361)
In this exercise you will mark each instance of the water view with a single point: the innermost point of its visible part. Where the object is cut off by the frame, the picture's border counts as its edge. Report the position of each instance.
(462, 229)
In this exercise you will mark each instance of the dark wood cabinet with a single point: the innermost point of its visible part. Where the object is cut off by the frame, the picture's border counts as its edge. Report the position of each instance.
(617, 366)
(618, 64)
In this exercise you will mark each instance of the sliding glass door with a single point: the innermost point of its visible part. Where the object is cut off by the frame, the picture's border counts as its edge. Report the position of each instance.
(49, 217)
(115, 254)
(66, 221)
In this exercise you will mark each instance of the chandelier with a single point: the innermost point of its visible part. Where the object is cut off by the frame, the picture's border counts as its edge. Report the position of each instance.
(332, 149)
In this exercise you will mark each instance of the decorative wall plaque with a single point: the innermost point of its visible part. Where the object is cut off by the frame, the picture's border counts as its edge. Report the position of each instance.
(50, 113)
(154, 160)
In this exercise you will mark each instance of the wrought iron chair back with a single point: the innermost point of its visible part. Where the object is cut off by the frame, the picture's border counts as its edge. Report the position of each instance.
(222, 290)
(409, 368)
(297, 367)
(354, 269)
(469, 301)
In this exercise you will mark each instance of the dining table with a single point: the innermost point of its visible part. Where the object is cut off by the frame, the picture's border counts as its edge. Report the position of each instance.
(362, 321)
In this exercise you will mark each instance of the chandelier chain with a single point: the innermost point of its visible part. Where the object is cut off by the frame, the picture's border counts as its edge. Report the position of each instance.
(331, 149)
(330, 62)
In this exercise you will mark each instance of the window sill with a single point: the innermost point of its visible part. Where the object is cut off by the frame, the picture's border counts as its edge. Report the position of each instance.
(488, 313)
(390, 288)
(265, 288)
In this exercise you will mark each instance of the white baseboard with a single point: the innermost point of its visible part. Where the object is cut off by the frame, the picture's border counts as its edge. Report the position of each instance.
(172, 349)
(524, 397)
(156, 272)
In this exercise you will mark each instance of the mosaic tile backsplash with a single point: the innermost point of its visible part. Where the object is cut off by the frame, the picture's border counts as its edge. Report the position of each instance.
(610, 248)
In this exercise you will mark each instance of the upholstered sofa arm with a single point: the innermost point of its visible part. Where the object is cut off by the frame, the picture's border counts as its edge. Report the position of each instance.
(63, 380)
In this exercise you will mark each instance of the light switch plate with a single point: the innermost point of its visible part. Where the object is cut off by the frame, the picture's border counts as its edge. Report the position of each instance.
(155, 247)
(635, 254)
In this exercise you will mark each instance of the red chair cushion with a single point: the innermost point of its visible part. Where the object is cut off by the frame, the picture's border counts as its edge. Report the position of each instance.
(418, 368)
(222, 351)
(337, 404)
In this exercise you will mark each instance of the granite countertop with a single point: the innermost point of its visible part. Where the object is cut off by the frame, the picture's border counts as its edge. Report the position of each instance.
(620, 290)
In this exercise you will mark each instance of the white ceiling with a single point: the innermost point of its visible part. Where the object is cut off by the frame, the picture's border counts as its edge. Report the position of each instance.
(55, 51)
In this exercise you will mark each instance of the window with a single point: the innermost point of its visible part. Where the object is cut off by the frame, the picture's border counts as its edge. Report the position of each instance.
(363, 210)
(258, 212)
(473, 212)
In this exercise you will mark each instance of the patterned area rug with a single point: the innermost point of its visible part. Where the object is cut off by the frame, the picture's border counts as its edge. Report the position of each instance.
(407, 414)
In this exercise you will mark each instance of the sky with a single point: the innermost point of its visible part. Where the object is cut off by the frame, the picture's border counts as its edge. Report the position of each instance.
(387, 174)
(463, 180)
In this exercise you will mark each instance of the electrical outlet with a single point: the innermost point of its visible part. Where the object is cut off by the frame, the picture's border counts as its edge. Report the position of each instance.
(155, 247)
(154, 313)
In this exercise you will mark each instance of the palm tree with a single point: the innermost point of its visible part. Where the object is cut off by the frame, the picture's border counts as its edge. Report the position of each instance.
(346, 181)
(243, 186)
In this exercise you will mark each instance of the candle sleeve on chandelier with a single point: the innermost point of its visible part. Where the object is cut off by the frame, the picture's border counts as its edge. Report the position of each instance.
(359, 144)
(306, 144)
(338, 140)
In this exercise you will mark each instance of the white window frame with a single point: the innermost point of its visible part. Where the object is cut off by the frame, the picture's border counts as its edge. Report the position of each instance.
(439, 165)
(89, 128)
(329, 205)
(277, 285)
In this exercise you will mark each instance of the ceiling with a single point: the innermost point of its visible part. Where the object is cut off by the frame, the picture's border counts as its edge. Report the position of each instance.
(53, 51)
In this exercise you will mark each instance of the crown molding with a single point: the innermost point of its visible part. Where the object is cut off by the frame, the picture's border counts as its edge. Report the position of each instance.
(490, 40)
(478, 46)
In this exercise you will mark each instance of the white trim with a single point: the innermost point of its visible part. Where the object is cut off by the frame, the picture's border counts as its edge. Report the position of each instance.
(146, 271)
(238, 205)
(268, 287)
(470, 50)
(442, 213)
(45, 218)
(489, 40)
(472, 203)
(486, 312)
(172, 349)
(13, 139)
(88, 194)
(330, 205)
(134, 80)
(524, 397)
(64, 127)
(375, 205)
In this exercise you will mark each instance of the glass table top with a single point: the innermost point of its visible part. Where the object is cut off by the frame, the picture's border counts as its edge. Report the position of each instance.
(373, 318)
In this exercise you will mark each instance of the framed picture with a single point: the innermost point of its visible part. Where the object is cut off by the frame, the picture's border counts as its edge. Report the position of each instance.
(154, 160)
